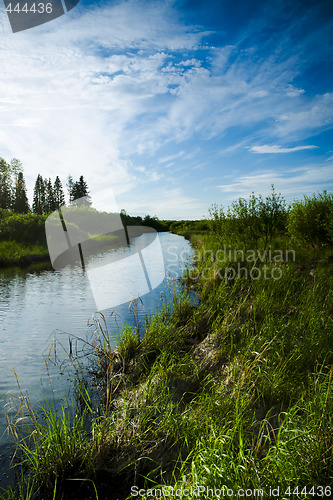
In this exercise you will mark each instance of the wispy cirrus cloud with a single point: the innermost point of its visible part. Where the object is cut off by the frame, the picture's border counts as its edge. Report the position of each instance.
(278, 149)
(132, 93)
(292, 182)
(307, 117)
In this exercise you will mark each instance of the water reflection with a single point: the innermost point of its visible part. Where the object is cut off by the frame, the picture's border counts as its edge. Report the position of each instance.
(40, 304)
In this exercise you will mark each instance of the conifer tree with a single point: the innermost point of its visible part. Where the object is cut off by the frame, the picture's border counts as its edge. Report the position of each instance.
(6, 196)
(38, 205)
(49, 196)
(59, 197)
(20, 201)
(80, 189)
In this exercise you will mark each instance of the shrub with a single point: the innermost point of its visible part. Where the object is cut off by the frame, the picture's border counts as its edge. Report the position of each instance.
(5, 213)
(249, 221)
(25, 228)
(311, 220)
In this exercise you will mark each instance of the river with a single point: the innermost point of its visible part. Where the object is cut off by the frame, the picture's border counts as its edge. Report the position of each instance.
(40, 304)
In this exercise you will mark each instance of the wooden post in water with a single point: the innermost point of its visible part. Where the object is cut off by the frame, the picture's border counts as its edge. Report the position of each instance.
(81, 256)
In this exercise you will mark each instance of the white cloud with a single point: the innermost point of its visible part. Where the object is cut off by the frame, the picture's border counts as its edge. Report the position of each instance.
(278, 149)
(155, 176)
(292, 182)
(292, 91)
(314, 115)
(66, 108)
(169, 158)
(91, 91)
(167, 204)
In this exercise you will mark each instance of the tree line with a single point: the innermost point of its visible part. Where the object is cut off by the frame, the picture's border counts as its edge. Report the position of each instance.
(47, 196)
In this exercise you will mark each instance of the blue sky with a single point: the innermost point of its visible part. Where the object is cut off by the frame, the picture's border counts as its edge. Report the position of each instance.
(171, 106)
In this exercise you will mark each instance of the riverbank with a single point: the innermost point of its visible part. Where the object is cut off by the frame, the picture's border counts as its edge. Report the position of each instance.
(233, 392)
(13, 253)
(16, 254)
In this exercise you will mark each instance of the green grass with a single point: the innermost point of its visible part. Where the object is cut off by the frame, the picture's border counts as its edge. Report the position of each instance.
(13, 250)
(53, 445)
(231, 388)
(16, 253)
(21, 255)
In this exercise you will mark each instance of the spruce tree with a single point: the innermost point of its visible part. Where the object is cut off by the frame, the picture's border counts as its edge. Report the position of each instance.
(49, 196)
(6, 196)
(79, 190)
(20, 202)
(38, 205)
(59, 197)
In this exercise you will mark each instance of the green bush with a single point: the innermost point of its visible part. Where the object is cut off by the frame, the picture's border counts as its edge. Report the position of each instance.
(25, 228)
(311, 220)
(5, 213)
(249, 222)
(188, 226)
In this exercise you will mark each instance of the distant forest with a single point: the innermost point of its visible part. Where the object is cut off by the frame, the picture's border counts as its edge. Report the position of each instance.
(47, 197)
(19, 221)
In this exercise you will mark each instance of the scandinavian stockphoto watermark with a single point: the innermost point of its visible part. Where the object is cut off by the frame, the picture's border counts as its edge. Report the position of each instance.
(25, 14)
(77, 235)
(229, 264)
(227, 492)
(195, 492)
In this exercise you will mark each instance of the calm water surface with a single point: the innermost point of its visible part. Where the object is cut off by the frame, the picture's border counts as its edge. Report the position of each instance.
(39, 306)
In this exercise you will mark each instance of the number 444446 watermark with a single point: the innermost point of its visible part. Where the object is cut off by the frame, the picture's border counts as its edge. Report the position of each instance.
(27, 14)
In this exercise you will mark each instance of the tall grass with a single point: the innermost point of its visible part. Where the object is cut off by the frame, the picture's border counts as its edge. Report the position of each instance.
(12, 250)
(231, 388)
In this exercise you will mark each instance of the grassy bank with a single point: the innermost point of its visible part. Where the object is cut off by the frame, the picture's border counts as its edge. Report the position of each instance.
(22, 239)
(23, 236)
(231, 392)
(13, 253)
